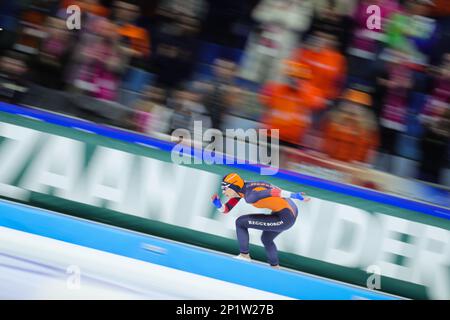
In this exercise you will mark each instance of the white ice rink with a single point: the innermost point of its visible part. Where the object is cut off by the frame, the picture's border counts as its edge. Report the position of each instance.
(36, 267)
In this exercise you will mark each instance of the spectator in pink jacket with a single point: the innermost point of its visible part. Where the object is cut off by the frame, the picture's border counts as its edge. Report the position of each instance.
(98, 61)
(367, 38)
(366, 35)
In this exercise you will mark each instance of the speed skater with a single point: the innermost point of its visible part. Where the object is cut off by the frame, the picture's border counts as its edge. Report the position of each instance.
(261, 195)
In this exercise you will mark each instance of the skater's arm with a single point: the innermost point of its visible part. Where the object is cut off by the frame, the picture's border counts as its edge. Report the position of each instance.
(230, 204)
(277, 192)
(224, 208)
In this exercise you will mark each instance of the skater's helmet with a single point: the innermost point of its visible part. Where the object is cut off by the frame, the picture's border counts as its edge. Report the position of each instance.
(233, 181)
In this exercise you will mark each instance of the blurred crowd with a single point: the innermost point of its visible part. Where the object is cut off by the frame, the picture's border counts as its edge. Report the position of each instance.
(323, 72)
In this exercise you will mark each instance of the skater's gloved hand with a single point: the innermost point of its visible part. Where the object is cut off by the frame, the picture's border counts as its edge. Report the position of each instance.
(300, 196)
(297, 195)
(216, 201)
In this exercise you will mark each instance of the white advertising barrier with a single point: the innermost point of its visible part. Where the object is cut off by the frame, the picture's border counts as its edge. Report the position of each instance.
(137, 185)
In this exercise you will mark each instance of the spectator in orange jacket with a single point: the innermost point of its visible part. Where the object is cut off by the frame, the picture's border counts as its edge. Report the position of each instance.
(136, 40)
(289, 105)
(327, 64)
(350, 132)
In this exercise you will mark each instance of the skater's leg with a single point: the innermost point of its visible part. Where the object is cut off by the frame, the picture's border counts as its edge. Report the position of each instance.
(272, 222)
(242, 226)
(267, 238)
